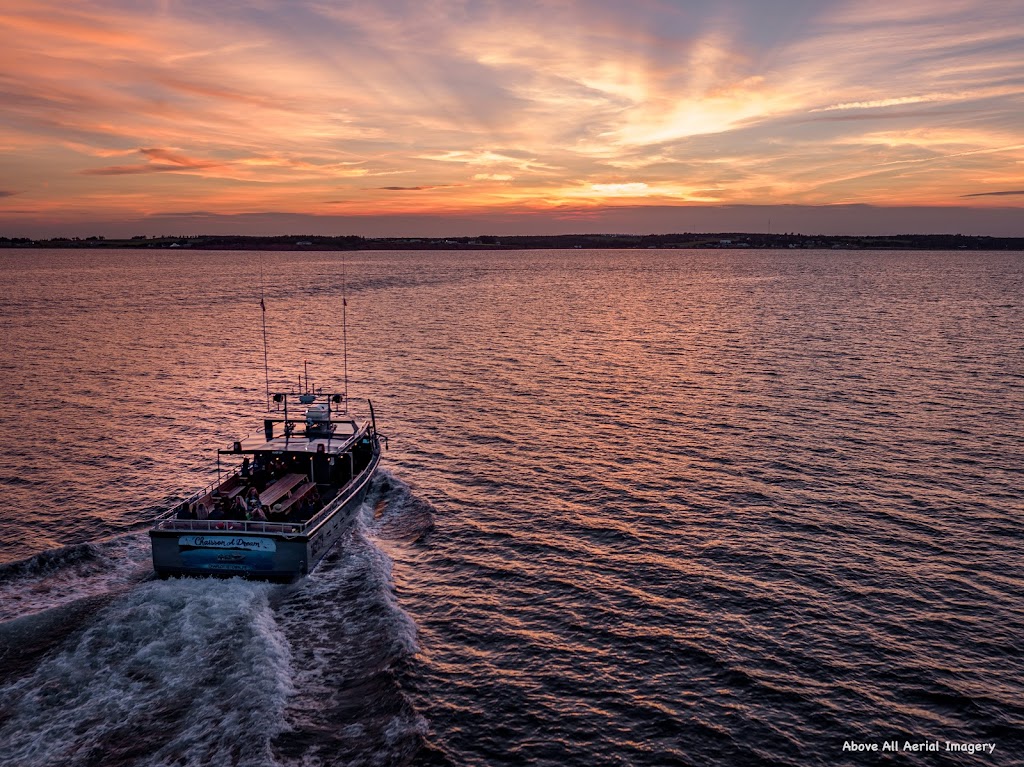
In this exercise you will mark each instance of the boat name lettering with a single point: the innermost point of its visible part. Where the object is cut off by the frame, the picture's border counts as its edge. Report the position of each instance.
(225, 542)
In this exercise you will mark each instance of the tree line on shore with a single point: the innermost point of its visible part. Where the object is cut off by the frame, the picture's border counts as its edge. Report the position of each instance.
(526, 242)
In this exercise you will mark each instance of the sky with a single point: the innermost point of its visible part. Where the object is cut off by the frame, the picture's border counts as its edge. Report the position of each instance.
(437, 117)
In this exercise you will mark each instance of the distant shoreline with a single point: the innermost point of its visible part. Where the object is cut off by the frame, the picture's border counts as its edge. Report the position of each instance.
(689, 240)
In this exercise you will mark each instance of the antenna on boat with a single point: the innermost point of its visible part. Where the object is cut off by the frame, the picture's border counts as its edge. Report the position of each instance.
(263, 307)
(344, 324)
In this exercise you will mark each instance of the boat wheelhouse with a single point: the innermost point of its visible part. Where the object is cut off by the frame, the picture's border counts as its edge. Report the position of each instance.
(310, 469)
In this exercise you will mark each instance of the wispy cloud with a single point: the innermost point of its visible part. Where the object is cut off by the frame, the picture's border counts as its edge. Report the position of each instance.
(161, 161)
(995, 194)
(412, 188)
(881, 103)
(975, 94)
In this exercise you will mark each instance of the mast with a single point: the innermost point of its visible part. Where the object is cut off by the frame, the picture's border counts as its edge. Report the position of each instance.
(344, 324)
(263, 307)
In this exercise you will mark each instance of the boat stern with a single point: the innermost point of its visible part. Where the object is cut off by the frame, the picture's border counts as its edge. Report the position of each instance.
(227, 553)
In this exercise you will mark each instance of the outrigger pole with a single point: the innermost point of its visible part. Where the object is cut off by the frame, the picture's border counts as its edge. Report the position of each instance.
(344, 325)
(263, 306)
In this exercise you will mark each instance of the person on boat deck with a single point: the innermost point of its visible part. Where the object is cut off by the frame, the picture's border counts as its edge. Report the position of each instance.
(259, 473)
(277, 469)
(301, 511)
(217, 512)
(277, 515)
(185, 512)
(238, 509)
(252, 499)
(245, 472)
(258, 514)
(202, 510)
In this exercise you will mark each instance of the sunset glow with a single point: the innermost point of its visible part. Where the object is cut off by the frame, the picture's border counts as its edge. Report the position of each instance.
(126, 113)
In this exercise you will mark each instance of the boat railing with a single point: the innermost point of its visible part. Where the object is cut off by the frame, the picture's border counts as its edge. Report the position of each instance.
(229, 525)
(170, 512)
(326, 511)
(339, 500)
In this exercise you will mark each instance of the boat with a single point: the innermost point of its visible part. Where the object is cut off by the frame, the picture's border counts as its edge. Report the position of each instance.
(310, 467)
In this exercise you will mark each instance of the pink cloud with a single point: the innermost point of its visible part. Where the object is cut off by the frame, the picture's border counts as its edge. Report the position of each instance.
(165, 161)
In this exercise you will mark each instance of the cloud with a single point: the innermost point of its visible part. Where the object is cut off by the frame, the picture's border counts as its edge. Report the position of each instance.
(192, 214)
(414, 188)
(973, 95)
(165, 161)
(166, 155)
(615, 190)
(5, 193)
(129, 170)
(995, 194)
(881, 103)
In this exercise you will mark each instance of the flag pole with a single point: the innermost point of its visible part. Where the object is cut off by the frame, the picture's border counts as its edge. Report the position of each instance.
(344, 324)
(263, 307)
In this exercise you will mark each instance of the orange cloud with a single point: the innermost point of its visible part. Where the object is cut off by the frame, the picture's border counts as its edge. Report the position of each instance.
(163, 161)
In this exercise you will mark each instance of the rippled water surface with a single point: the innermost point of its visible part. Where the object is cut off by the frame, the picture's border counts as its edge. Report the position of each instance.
(639, 508)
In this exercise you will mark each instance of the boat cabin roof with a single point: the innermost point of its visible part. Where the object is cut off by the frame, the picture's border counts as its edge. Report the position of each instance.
(345, 431)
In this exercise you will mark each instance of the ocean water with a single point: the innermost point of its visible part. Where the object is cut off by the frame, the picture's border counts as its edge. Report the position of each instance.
(638, 508)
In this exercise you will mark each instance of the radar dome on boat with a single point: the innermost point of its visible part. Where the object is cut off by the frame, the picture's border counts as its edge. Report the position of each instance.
(319, 412)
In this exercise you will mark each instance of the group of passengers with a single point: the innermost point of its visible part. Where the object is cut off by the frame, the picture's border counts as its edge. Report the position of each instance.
(264, 471)
(246, 505)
